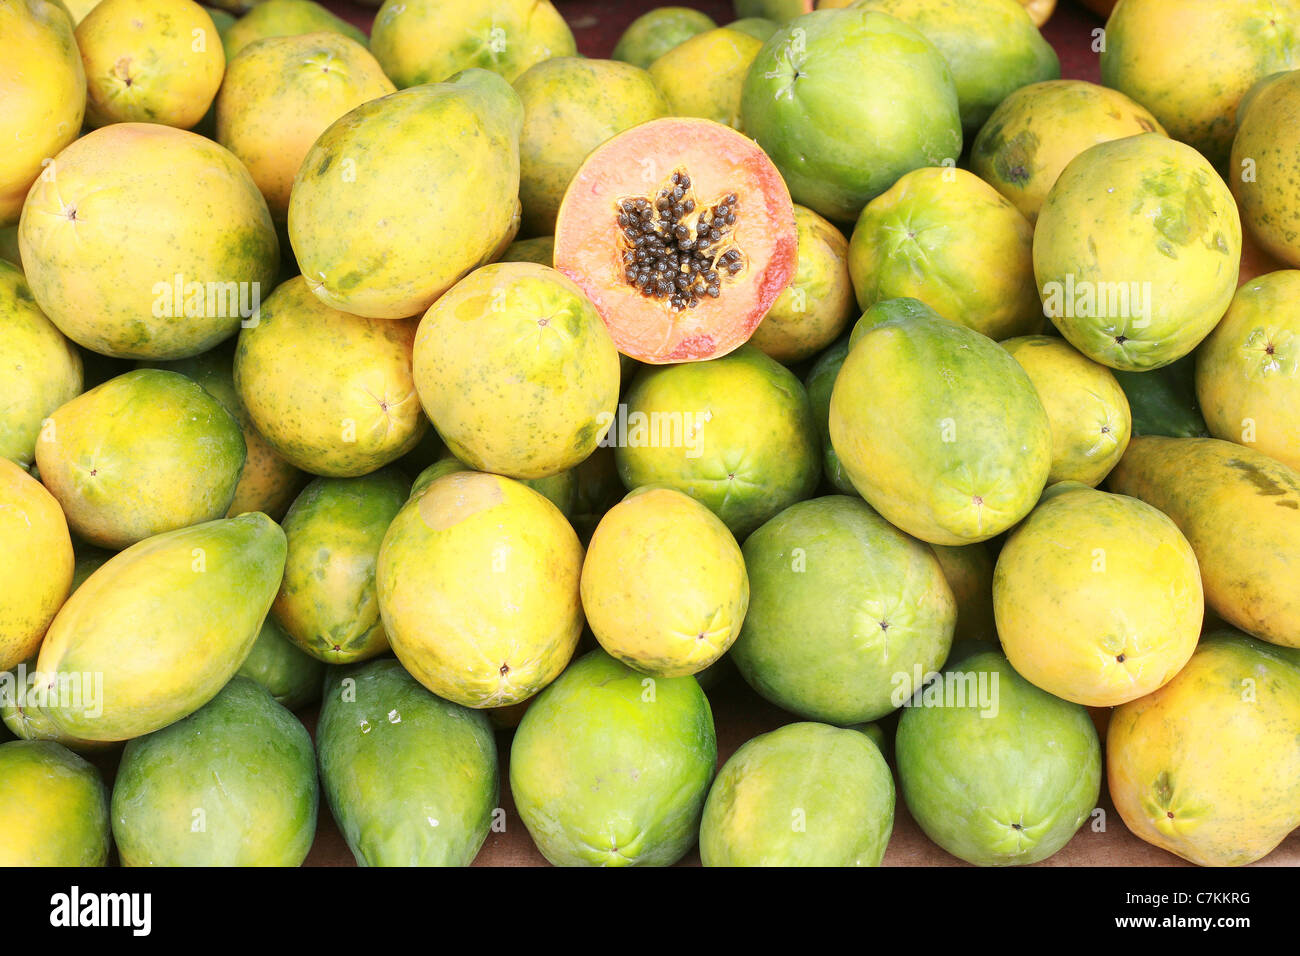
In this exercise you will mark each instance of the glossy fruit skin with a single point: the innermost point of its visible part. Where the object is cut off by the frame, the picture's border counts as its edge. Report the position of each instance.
(945, 237)
(146, 452)
(664, 587)
(819, 385)
(807, 794)
(746, 445)
(516, 370)
(1136, 251)
(1035, 132)
(282, 18)
(1191, 61)
(939, 429)
(968, 570)
(1240, 510)
(44, 89)
(165, 623)
(360, 230)
(478, 581)
(1097, 597)
(290, 676)
(204, 255)
(1002, 776)
(1248, 369)
(1163, 401)
(653, 34)
(560, 490)
(843, 608)
(571, 105)
(992, 47)
(838, 154)
(1184, 763)
(233, 784)
(327, 603)
(610, 767)
(704, 74)
(53, 807)
(428, 41)
(1263, 167)
(1088, 411)
(411, 778)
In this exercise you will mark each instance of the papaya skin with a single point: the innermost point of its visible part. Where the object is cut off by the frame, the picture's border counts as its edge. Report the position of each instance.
(704, 75)
(968, 569)
(478, 582)
(43, 85)
(659, 543)
(1208, 767)
(1266, 146)
(819, 384)
(44, 370)
(292, 677)
(1035, 132)
(150, 61)
(653, 34)
(331, 392)
(146, 452)
(53, 807)
(327, 604)
(1088, 411)
(560, 490)
(145, 621)
(279, 18)
(280, 95)
(1097, 598)
(36, 561)
(1240, 510)
(1248, 369)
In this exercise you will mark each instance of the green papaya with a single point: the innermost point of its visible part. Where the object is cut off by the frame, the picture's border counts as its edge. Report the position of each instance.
(292, 676)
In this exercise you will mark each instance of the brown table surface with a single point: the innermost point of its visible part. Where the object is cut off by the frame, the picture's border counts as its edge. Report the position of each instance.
(739, 713)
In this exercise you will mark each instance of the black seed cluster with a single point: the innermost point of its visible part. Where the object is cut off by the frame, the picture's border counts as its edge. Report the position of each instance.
(668, 259)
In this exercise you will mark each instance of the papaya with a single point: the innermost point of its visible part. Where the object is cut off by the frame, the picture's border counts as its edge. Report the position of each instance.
(43, 372)
(1190, 61)
(939, 428)
(779, 11)
(846, 612)
(327, 603)
(1040, 11)
(20, 712)
(704, 75)
(331, 392)
(516, 370)
(1086, 408)
(571, 105)
(839, 152)
(427, 41)
(819, 304)
(992, 46)
(1163, 401)
(968, 569)
(683, 235)
(53, 807)
(540, 249)
(950, 240)
(805, 795)
(819, 385)
(43, 85)
(291, 676)
(735, 433)
(1034, 133)
(758, 27)
(150, 61)
(233, 784)
(285, 18)
(661, 542)
(1208, 767)
(559, 489)
(610, 767)
(1248, 369)
(267, 482)
(598, 488)
(657, 31)
(1136, 251)
(278, 97)
(146, 452)
(36, 563)
(159, 629)
(478, 582)
(361, 229)
(1263, 166)
(1240, 511)
(178, 211)
(993, 769)
(1097, 597)
(411, 778)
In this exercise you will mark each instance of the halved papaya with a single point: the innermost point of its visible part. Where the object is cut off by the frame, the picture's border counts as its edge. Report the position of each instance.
(682, 233)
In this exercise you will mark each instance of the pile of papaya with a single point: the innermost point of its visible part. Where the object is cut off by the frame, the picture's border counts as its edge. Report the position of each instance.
(382, 410)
